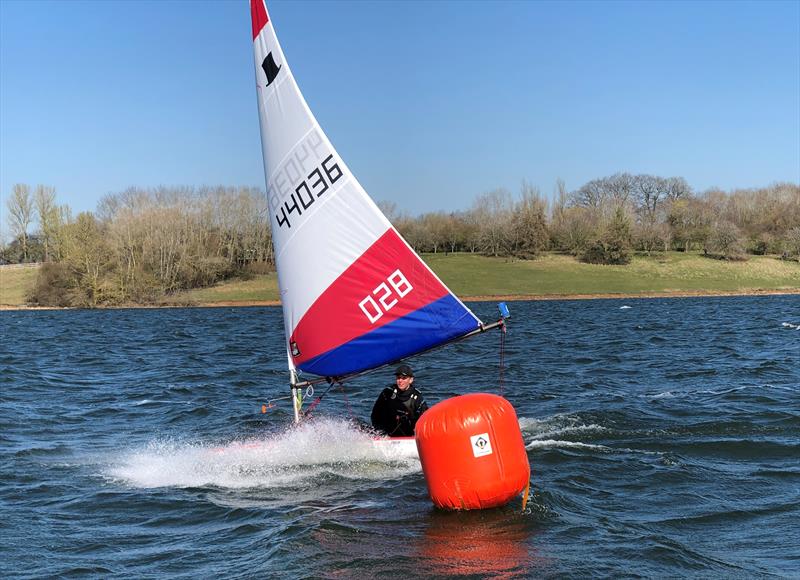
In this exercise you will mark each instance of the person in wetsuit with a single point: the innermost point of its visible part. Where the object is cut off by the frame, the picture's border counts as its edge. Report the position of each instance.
(399, 406)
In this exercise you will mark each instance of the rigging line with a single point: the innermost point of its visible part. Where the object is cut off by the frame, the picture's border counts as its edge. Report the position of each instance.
(502, 357)
(347, 402)
(318, 400)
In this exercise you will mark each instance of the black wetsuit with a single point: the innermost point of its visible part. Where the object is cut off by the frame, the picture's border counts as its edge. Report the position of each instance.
(396, 412)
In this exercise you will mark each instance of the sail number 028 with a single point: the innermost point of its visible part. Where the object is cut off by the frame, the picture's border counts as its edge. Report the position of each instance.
(382, 299)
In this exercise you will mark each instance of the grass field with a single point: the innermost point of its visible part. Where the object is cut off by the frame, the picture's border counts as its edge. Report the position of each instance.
(15, 283)
(259, 289)
(471, 275)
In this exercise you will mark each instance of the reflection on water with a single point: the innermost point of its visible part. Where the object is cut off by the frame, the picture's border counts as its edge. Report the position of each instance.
(496, 543)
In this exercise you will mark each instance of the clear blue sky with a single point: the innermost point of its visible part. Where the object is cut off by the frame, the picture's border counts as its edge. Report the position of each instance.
(430, 103)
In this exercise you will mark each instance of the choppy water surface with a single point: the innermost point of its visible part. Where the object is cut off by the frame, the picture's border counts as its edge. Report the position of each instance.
(664, 438)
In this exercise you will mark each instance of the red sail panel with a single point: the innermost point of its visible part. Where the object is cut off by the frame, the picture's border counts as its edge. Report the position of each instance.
(386, 283)
(258, 15)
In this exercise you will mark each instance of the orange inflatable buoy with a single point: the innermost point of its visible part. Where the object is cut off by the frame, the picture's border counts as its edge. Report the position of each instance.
(472, 452)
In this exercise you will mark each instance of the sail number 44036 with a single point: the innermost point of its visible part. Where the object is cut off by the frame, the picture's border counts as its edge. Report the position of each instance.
(314, 186)
(385, 295)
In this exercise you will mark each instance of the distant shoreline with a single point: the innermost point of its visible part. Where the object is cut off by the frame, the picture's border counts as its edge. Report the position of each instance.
(474, 277)
(490, 298)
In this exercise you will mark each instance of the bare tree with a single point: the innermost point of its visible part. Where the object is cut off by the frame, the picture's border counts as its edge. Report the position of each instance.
(620, 188)
(574, 228)
(561, 189)
(389, 209)
(493, 211)
(726, 242)
(792, 243)
(88, 258)
(603, 196)
(613, 246)
(454, 232)
(528, 225)
(49, 217)
(651, 237)
(676, 188)
(470, 224)
(592, 194)
(649, 190)
(20, 215)
(690, 220)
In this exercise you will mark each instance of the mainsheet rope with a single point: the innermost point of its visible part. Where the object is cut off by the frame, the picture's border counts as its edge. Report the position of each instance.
(318, 400)
(347, 402)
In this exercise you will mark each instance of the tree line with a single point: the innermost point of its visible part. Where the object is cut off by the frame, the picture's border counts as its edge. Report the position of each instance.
(143, 244)
(607, 219)
(665, 214)
(140, 244)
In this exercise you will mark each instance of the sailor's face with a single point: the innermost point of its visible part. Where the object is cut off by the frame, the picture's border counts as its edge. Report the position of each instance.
(404, 382)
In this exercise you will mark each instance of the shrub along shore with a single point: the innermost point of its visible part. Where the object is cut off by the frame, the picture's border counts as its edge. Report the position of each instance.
(551, 276)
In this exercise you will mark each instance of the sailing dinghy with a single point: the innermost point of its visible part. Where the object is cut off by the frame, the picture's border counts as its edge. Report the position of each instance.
(355, 295)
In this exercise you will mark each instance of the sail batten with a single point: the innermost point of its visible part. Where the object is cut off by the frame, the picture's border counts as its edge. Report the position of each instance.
(355, 295)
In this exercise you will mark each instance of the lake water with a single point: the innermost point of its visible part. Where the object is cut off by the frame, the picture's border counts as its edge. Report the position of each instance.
(663, 437)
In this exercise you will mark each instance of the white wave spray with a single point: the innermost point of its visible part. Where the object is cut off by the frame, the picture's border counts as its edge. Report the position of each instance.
(295, 457)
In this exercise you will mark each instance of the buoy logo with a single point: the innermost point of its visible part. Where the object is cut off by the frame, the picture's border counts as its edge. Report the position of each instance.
(481, 445)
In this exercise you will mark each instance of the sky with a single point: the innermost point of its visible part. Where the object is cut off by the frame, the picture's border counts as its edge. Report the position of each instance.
(429, 103)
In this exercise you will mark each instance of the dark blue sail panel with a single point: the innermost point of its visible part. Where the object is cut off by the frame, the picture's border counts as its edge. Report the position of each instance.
(434, 324)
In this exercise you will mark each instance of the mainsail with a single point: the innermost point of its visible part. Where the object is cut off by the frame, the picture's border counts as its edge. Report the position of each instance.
(355, 295)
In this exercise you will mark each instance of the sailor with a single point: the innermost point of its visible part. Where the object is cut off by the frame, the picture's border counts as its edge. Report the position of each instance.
(399, 406)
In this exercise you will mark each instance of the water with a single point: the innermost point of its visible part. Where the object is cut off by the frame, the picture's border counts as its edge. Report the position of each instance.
(664, 440)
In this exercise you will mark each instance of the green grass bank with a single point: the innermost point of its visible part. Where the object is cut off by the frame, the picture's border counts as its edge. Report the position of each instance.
(559, 275)
(15, 283)
(552, 275)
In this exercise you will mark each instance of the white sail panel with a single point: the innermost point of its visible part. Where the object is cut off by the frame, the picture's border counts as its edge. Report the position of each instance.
(331, 249)
(354, 294)
(294, 146)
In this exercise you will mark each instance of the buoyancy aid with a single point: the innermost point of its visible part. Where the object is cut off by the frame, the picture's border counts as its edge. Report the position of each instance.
(396, 411)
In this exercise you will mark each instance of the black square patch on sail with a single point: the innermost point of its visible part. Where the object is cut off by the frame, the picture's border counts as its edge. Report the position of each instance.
(270, 68)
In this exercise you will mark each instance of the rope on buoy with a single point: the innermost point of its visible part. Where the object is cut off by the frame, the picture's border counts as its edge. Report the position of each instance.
(525, 495)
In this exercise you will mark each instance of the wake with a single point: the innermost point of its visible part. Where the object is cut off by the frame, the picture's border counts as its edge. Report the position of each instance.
(296, 457)
(560, 432)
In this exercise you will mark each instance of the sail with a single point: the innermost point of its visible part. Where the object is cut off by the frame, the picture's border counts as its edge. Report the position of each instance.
(355, 295)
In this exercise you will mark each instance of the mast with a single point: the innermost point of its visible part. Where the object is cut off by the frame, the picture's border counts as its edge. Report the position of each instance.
(297, 395)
